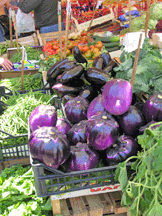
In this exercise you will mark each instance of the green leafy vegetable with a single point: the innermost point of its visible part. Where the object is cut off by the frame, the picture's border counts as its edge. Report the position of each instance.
(156, 11)
(148, 69)
(32, 54)
(142, 192)
(30, 82)
(17, 194)
(14, 120)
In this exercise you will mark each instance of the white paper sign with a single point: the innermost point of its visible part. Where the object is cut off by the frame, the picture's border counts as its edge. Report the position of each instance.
(131, 41)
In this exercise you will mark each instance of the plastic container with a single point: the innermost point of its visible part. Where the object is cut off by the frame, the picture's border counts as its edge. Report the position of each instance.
(13, 147)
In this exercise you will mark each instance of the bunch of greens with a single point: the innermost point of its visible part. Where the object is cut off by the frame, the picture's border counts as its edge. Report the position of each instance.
(14, 119)
(30, 82)
(156, 11)
(5, 46)
(148, 72)
(142, 192)
(17, 194)
(46, 63)
(32, 54)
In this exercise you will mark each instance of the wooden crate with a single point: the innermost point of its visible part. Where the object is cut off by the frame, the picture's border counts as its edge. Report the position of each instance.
(6, 164)
(97, 21)
(11, 74)
(91, 205)
(52, 35)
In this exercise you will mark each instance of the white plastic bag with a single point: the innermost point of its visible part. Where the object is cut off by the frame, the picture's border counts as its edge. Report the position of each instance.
(25, 22)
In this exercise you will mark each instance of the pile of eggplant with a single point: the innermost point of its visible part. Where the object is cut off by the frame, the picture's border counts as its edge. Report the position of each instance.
(70, 78)
(102, 119)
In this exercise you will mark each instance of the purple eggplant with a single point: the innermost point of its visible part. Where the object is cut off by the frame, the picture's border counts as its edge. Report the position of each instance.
(124, 147)
(89, 93)
(42, 115)
(50, 146)
(99, 62)
(131, 121)
(72, 74)
(82, 157)
(62, 90)
(109, 68)
(67, 97)
(61, 68)
(77, 133)
(152, 109)
(63, 125)
(106, 57)
(95, 106)
(53, 69)
(97, 77)
(117, 96)
(101, 132)
(76, 109)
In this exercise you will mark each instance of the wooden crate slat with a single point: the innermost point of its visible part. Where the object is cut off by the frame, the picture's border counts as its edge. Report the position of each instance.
(107, 203)
(116, 199)
(78, 207)
(64, 208)
(95, 205)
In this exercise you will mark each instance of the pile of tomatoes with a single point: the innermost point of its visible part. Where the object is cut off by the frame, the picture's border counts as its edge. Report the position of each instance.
(90, 52)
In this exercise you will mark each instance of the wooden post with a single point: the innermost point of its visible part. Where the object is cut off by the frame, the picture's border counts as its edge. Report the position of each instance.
(94, 11)
(147, 16)
(56, 208)
(129, 6)
(60, 29)
(39, 38)
(136, 61)
(22, 70)
(67, 26)
(10, 26)
(16, 31)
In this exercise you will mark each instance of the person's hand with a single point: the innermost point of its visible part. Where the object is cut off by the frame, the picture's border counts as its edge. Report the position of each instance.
(6, 64)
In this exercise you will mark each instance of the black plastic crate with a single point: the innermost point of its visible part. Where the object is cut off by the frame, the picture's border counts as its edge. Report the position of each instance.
(13, 147)
(49, 181)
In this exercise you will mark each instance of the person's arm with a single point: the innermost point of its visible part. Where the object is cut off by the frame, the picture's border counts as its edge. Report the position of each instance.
(2, 2)
(26, 6)
(6, 64)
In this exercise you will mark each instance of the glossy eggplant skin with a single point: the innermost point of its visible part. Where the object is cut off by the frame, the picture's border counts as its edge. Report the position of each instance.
(61, 68)
(124, 147)
(62, 90)
(53, 68)
(131, 121)
(77, 133)
(107, 57)
(109, 68)
(96, 77)
(99, 62)
(76, 83)
(78, 55)
(67, 97)
(72, 74)
(89, 93)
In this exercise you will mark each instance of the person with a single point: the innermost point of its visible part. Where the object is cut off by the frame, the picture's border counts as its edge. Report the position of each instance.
(2, 12)
(5, 63)
(45, 13)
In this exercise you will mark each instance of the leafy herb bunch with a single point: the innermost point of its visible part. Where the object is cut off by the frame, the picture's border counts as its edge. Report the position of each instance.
(148, 73)
(142, 192)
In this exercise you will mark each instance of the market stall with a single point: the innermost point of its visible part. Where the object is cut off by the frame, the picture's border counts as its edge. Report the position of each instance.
(80, 114)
